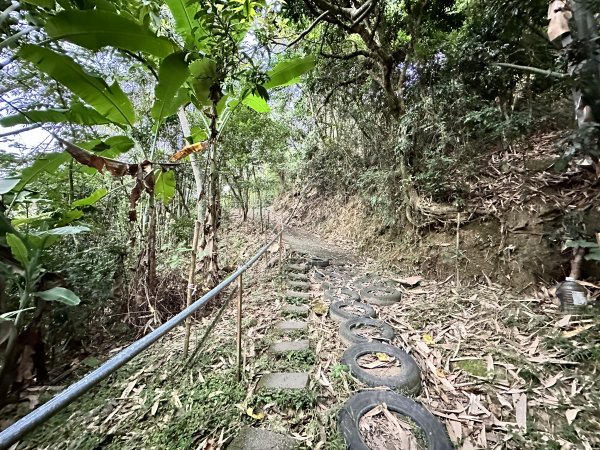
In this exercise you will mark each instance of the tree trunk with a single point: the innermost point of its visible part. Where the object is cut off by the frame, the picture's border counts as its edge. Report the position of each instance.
(212, 217)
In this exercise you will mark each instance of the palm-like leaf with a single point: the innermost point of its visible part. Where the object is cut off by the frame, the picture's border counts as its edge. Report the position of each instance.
(110, 101)
(95, 29)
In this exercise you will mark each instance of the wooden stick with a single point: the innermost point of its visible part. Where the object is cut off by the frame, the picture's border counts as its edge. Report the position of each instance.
(212, 325)
(239, 330)
(190, 289)
(281, 246)
(457, 246)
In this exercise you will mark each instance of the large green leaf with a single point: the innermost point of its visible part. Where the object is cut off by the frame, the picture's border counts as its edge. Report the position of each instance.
(78, 114)
(45, 163)
(59, 294)
(288, 72)
(110, 147)
(109, 101)
(204, 72)
(164, 187)
(8, 184)
(43, 3)
(17, 248)
(257, 103)
(63, 231)
(91, 199)
(173, 72)
(95, 29)
(183, 12)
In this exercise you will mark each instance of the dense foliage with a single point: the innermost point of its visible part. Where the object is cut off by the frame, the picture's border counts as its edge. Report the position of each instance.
(172, 111)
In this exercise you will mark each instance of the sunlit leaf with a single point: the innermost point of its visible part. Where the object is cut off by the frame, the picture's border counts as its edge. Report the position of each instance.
(257, 103)
(7, 184)
(17, 248)
(63, 231)
(91, 199)
(164, 186)
(110, 147)
(109, 101)
(78, 114)
(45, 163)
(288, 72)
(183, 12)
(172, 74)
(59, 294)
(95, 29)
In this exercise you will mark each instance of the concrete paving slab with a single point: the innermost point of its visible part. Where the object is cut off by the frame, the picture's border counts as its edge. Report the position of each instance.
(296, 294)
(299, 285)
(299, 310)
(258, 439)
(283, 380)
(290, 346)
(290, 325)
(298, 276)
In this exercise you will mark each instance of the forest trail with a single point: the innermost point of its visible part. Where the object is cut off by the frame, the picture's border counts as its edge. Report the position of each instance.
(303, 241)
(498, 370)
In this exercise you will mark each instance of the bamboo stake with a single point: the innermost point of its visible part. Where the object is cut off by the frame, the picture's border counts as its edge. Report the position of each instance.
(190, 289)
(457, 247)
(239, 330)
(280, 246)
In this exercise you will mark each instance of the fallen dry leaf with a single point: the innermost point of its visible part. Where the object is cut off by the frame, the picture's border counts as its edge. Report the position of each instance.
(571, 414)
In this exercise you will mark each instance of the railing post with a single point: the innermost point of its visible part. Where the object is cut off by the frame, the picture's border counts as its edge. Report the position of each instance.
(280, 246)
(239, 330)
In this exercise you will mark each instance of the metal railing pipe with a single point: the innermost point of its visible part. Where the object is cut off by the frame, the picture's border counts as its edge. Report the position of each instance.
(38, 416)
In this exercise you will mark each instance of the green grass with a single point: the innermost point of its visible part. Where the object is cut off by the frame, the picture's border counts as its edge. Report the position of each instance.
(285, 399)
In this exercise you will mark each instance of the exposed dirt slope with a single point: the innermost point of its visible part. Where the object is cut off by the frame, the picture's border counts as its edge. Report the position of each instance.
(518, 214)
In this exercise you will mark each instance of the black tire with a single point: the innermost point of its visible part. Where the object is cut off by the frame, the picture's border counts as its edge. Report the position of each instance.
(337, 312)
(363, 402)
(342, 294)
(362, 282)
(349, 337)
(371, 295)
(408, 380)
(318, 262)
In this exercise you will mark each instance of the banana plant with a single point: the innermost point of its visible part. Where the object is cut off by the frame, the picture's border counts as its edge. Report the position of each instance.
(20, 257)
(204, 64)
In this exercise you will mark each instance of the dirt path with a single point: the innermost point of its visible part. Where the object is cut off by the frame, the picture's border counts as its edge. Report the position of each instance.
(303, 241)
(499, 370)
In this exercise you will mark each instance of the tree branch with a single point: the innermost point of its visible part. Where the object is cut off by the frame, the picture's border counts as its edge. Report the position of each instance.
(349, 55)
(21, 130)
(548, 73)
(309, 29)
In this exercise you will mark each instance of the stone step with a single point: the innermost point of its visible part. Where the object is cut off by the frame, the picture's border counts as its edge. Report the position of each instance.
(283, 380)
(290, 325)
(300, 310)
(296, 294)
(296, 268)
(289, 346)
(258, 439)
(303, 286)
(298, 276)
